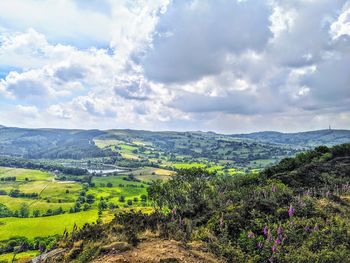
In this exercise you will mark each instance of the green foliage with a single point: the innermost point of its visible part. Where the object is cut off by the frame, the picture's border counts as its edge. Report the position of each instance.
(274, 216)
(189, 192)
(29, 164)
(24, 210)
(4, 211)
(317, 168)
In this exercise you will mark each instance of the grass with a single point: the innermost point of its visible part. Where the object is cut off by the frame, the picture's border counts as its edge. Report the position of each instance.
(43, 226)
(23, 256)
(188, 165)
(126, 150)
(52, 194)
(119, 188)
(22, 174)
(42, 205)
(148, 174)
(106, 143)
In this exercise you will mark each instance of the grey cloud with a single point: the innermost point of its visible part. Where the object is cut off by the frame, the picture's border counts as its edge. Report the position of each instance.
(307, 38)
(237, 102)
(70, 73)
(27, 88)
(91, 108)
(193, 39)
(133, 91)
(330, 83)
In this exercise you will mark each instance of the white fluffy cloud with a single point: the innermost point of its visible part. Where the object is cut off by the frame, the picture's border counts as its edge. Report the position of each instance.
(227, 66)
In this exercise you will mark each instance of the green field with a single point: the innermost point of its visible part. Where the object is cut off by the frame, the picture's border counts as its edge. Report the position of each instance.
(55, 194)
(189, 165)
(120, 187)
(41, 205)
(43, 226)
(125, 149)
(52, 194)
(8, 257)
(148, 174)
(22, 174)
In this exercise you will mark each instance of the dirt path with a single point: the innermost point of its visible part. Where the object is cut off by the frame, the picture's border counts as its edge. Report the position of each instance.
(166, 251)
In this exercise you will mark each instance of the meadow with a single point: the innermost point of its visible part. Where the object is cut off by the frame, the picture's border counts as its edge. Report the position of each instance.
(8, 257)
(43, 226)
(113, 188)
(53, 194)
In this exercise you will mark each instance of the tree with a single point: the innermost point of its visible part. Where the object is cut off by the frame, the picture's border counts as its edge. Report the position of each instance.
(36, 213)
(189, 191)
(90, 198)
(111, 206)
(102, 205)
(14, 193)
(48, 212)
(122, 199)
(143, 198)
(23, 210)
(86, 206)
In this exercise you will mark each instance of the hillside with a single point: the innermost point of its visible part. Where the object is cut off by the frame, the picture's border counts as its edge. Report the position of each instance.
(311, 138)
(321, 167)
(49, 143)
(249, 218)
(137, 148)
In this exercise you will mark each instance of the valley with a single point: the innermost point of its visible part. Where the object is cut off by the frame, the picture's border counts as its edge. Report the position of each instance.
(53, 182)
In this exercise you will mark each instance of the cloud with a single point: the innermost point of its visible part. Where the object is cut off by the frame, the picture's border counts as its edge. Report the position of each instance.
(341, 27)
(225, 66)
(194, 39)
(59, 111)
(62, 21)
(28, 111)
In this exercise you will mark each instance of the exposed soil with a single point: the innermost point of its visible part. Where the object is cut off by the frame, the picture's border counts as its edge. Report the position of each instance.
(162, 251)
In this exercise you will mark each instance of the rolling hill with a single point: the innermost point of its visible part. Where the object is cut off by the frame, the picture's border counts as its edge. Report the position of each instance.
(162, 148)
(311, 138)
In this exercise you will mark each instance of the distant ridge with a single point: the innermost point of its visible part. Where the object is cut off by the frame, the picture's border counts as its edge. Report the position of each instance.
(77, 143)
(309, 138)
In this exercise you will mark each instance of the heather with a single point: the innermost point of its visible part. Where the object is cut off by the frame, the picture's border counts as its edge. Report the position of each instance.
(245, 218)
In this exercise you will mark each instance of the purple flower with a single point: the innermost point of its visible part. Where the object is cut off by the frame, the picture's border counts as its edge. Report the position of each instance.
(266, 230)
(274, 249)
(277, 241)
(291, 211)
(291, 222)
(279, 230)
(181, 222)
(173, 211)
(251, 234)
(269, 238)
(260, 244)
(306, 228)
(274, 189)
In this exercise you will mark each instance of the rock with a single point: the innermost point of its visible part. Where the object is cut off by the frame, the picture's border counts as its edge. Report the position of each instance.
(116, 246)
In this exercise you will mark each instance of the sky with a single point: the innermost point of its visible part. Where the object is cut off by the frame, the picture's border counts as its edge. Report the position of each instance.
(228, 66)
